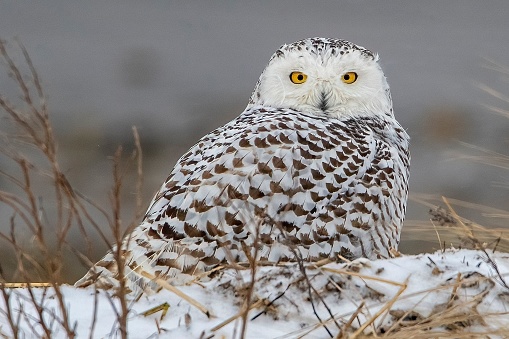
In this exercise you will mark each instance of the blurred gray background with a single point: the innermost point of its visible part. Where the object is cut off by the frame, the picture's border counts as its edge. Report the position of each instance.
(179, 69)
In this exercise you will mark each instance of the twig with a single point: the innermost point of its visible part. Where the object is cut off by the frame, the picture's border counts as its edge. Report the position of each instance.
(311, 288)
(454, 291)
(350, 320)
(238, 315)
(139, 175)
(94, 315)
(442, 249)
(457, 217)
(363, 276)
(164, 284)
(25, 285)
(253, 267)
(380, 311)
(494, 265)
(271, 302)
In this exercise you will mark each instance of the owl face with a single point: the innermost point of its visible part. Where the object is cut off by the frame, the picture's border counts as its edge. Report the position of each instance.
(326, 77)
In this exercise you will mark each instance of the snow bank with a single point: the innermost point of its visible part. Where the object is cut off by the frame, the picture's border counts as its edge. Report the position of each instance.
(455, 290)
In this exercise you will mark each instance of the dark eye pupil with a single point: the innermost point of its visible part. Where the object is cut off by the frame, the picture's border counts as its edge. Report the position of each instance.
(300, 77)
(346, 77)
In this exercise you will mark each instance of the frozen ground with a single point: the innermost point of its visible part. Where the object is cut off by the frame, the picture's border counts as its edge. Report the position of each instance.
(455, 290)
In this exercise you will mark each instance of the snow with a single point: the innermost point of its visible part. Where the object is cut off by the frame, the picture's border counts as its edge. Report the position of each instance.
(386, 294)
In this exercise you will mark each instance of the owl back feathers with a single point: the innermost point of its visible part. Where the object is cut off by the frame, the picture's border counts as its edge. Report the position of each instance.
(277, 184)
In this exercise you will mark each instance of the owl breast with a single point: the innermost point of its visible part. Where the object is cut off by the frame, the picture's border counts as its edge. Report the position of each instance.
(280, 185)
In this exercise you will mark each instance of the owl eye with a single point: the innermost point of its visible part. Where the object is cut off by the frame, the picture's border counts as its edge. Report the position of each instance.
(349, 77)
(298, 77)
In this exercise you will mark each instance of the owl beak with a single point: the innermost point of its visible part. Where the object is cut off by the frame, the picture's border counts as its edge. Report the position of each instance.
(324, 101)
(324, 92)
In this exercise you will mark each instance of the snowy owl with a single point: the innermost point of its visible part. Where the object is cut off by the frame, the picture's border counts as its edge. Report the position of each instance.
(315, 167)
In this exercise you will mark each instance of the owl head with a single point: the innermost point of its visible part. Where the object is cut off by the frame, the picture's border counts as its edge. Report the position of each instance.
(328, 77)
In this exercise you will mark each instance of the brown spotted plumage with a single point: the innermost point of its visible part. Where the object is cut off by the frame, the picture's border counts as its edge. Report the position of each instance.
(315, 169)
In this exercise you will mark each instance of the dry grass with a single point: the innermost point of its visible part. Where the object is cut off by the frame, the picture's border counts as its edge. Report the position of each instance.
(447, 228)
(31, 133)
(382, 318)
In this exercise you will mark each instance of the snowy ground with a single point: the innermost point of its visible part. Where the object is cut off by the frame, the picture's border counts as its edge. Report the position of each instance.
(463, 290)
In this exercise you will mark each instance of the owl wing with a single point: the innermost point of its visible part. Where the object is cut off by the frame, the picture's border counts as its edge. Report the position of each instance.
(285, 180)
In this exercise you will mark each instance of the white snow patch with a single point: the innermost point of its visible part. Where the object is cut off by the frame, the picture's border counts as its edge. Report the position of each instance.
(427, 283)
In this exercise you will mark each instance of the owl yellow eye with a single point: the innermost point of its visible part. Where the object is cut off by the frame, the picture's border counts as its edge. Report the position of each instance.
(349, 77)
(298, 77)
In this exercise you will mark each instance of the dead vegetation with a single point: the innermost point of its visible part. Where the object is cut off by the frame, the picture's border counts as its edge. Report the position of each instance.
(32, 152)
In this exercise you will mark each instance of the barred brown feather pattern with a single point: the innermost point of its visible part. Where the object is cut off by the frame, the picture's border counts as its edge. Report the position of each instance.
(319, 185)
